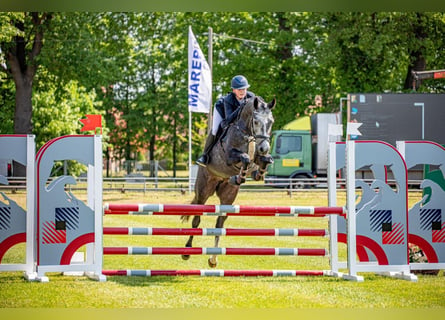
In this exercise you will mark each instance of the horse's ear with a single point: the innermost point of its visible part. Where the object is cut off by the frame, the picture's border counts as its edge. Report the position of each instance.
(255, 103)
(272, 104)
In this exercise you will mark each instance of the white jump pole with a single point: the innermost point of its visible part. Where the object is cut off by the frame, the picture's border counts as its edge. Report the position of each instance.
(332, 202)
(351, 214)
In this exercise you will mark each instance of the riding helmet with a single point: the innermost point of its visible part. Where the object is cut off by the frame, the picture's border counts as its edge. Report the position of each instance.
(239, 82)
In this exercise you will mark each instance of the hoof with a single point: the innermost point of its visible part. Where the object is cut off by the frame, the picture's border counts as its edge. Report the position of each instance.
(266, 159)
(212, 264)
(185, 257)
(236, 180)
(233, 180)
(257, 176)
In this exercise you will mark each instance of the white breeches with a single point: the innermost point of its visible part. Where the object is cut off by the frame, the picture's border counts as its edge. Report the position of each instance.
(216, 121)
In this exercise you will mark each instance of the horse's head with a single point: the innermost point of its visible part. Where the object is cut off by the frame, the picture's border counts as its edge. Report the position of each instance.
(260, 123)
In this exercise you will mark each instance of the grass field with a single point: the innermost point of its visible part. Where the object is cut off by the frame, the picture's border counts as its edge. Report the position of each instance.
(211, 292)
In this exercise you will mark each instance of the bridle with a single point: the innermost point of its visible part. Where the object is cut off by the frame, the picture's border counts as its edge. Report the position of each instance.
(249, 136)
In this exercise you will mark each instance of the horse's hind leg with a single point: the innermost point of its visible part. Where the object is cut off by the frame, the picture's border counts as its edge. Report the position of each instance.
(219, 224)
(227, 194)
(195, 223)
(204, 187)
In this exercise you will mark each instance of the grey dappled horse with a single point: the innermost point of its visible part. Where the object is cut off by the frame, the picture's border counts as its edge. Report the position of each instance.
(242, 150)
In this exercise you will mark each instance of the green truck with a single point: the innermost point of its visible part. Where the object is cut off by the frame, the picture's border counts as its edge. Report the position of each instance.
(300, 151)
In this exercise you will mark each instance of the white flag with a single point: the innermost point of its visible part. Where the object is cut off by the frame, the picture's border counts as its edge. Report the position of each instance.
(352, 129)
(335, 129)
(199, 78)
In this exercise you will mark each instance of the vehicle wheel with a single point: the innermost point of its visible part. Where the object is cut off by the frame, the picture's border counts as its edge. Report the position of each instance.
(299, 184)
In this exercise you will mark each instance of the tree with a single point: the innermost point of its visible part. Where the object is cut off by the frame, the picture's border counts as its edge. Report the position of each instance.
(58, 108)
(132, 67)
(142, 97)
(425, 45)
(7, 107)
(21, 62)
(375, 52)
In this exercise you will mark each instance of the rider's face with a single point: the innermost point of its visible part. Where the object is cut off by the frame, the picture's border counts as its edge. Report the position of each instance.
(240, 93)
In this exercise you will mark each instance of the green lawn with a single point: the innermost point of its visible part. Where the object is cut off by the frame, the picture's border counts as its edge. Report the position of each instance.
(241, 292)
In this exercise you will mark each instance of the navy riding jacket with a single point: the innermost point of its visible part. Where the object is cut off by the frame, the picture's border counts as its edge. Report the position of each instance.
(228, 106)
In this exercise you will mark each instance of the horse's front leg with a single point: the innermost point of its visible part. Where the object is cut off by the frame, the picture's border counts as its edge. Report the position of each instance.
(195, 223)
(219, 224)
(263, 162)
(245, 161)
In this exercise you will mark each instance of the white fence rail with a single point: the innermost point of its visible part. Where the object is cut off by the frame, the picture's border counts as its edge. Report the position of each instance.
(148, 184)
(145, 184)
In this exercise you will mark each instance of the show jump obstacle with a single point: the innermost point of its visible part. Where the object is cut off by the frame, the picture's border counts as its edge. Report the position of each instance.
(380, 218)
(426, 219)
(376, 230)
(64, 223)
(16, 223)
(219, 210)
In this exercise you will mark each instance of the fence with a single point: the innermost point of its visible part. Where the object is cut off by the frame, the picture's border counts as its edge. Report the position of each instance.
(150, 184)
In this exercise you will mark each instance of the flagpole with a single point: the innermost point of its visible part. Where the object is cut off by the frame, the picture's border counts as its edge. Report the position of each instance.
(210, 57)
(199, 88)
(190, 129)
(190, 151)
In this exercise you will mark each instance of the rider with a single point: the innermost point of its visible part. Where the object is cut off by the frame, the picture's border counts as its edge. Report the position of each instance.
(225, 111)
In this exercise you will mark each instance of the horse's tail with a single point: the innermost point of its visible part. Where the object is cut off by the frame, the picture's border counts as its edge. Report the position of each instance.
(185, 218)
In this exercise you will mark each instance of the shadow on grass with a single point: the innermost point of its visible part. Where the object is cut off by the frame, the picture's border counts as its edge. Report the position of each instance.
(370, 278)
(134, 281)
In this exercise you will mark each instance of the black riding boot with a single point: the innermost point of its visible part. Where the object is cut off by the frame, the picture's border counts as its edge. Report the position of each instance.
(204, 159)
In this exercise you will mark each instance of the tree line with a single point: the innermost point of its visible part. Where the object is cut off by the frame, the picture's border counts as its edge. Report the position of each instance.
(132, 68)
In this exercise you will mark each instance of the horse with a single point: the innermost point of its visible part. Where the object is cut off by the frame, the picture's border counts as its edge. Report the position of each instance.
(242, 149)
